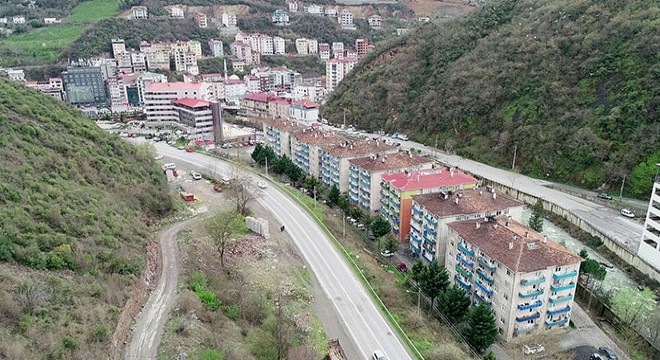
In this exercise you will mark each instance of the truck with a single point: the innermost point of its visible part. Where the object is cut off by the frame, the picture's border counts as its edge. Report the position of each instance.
(335, 352)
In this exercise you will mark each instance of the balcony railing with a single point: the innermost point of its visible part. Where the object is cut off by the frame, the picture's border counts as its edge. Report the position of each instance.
(415, 225)
(528, 317)
(487, 264)
(431, 230)
(383, 202)
(561, 299)
(489, 280)
(559, 311)
(531, 306)
(464, 284)
(483, 288)
(417, 210)
(428, 256)
(564, 276)
(462, 248)
(555, 323)
(528, 282)
(464, 261)
(481, 298)
(415, 238)
(557, 288)
(384, 211)
(463, 272)
(385, 185)
(530, 294)
(414, 247)
(431, 220)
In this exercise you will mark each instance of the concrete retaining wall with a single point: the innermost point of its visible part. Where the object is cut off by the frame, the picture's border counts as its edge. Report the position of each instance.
(258, 225)
(612, 245)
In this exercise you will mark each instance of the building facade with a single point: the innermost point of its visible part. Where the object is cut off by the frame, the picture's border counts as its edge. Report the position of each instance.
(159, 97)
(217, 49)
(84, 86)
(306, 148)
(528, 280)
(649, 248)
(305, 111)
(336, 70)
(277, 133)
(197, 116)
(335, 159)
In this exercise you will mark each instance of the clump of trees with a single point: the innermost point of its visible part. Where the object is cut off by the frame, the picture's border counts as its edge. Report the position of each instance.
(280, 165)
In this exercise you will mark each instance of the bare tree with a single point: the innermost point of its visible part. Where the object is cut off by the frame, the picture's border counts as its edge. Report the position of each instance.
(223, 228)
(241, 192)
(282, 328)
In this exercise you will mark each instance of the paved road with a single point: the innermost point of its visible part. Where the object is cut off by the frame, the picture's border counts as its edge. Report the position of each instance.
(149, 326)
(357, 311)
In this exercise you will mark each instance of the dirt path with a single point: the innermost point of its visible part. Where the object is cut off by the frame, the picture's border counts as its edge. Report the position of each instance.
(148, 328)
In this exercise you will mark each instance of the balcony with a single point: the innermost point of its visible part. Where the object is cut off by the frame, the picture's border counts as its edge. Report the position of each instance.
(428, 256)
(529, 282)
(559, 311)
(464, 261)
(395, 210)
(530, 294)
(462, 248)
(557, 288)
(384, 211)
(430, 230)
(353, 199)
(354, 170)
(555, 323)
(414, 237)
(482, 275)
(561, 299)
(417, 210)
(365, 184)
(487, 265)
(483, 288)
(414, 247)
(431, 220)
(528, 317)
(395, 202)
(481, 298)
(523, 307)
(415, 226)
(353, 178)
(385, 194)
(383, 202)
(464, 284)
(463, 272)
(564, 276)
(385, 186)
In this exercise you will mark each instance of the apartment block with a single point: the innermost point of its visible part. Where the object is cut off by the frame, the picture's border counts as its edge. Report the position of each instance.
(118, 47)
(196, 115)
(362, 47)
(293, 5)
(201, 20)
(432, 212)
(399, 188)
(84, 86)
(305, 111)
(139, 12)
(217, 49)
(176, 12)
(528, 280)
(256, 104)
(306, 148)
(159, 97)
(336, 70)
(278, 132)
(375, 22)
(324, 51)
(229, 19)
(302, 46)
(280, 108)
(53, 87)
(335, 159)
(279, 46)
(365, 175)
(280, 18)
(649, 250)
(345, 19)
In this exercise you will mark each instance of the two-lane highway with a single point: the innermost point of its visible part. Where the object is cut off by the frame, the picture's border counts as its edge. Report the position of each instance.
(358, 312)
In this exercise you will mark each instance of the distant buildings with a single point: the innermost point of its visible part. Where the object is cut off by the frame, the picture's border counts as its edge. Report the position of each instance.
(336, 70)
(217, 49)
(176, 11)
(85, 86)
(280, 18)
(293, 5)
(362, 47)
(201, 20)
(279, 46)
(198, 116)
(49, 21)
(229, 19)
(345, 19)
(159, 97)
(375, 22)
(307, 46)
(19, 19)
(53, 87)
(649, 248)
(139, 12)
(324, 52)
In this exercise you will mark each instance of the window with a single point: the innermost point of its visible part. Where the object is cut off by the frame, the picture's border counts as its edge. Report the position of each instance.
(508, 272)
(505, 296)
(503, 307)
(502, 320)
(501, 331)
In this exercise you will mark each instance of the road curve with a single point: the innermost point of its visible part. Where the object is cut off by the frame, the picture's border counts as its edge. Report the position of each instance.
(357, 311)
(149, 326)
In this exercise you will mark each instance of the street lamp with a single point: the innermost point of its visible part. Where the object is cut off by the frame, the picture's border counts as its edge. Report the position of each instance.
(419, 298)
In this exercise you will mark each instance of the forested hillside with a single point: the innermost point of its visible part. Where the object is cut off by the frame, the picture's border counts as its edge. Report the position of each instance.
(572, 84)
(75, 203)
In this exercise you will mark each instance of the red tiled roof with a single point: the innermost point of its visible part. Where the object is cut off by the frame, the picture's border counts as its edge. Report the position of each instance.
(193, 103)
(471, 201)
(234, 82)
(306, 104)
(318, 137)
(531, 251)
(400, 160)
(281, 101)
(428, 179)
(262, 97)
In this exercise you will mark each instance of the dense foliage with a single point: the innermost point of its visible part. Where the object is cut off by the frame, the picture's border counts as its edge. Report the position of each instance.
(572, 83)
(72, 196)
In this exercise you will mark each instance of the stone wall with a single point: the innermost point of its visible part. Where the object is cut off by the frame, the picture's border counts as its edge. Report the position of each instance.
(258, 225)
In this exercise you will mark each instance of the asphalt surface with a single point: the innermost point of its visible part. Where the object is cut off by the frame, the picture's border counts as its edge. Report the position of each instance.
(150, 324)
(356, 310)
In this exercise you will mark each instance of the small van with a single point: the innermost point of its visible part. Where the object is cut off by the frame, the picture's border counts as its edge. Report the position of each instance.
(169, 166)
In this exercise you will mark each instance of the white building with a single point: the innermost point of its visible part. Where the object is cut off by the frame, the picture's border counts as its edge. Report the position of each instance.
(279, 46)
(304, 111)
(375, 22)
(139, 12)
(302, 46)
(345, 19)
(336, 70)
(293, 5)
(201, 20)
(280, 18)
(176, 12)
(649, 249)
(324, 52)
(314, 9)
(49, 21)
(20, 19)
(158, 98)
(217, 49)
(229, 19)
(16, 74)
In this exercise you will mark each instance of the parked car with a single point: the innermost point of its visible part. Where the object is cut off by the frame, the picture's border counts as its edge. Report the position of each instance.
(378, 355)
(387, 253)
(604, 196)
(627, 213)
(226, 179)
(402, 267)
(261, 185)
(596, 356)
(195, 175)
(371, 236)
(218, 187)
(609, 353)
(158, 157)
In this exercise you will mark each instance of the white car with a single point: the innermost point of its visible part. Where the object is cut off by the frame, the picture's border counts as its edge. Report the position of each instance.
(387, 253)
(627, 213)
(378, 355)
(158, 157)
(261, 185)
(195, 175)
(226, 179)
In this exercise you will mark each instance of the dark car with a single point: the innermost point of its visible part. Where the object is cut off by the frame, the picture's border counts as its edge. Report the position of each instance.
(604, 196)
(402, 267)
(609, 353)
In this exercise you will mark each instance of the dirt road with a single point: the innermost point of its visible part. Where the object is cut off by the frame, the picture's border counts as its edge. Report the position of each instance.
(148, 328)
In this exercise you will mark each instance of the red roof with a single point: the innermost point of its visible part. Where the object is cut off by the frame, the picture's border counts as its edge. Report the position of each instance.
(263, 97)
(281, 101)
(193, 103)
(234, 82)
(306, 104)
(428, 179)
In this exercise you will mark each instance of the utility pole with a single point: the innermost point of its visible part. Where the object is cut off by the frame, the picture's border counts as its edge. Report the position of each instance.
(622, 184)
(419, 299)
(314, 196)
(266, 165)
(344, 120)
(515, 151)
(343, 216)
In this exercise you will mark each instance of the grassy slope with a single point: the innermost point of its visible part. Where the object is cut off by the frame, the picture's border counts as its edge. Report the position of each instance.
(573, 83)
(45, 45)
(74, 200)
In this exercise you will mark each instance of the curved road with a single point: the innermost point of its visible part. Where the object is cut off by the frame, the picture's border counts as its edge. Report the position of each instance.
(359, 314)
(149, 326)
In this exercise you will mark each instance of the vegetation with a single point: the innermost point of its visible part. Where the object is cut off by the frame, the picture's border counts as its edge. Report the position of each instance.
(481, 330)
(570, 83)
(433, 279)
(536, 219)
(75, 201)
(380, 227)
(223, 228)
(453, 303)
(302, 64)
(280, 165)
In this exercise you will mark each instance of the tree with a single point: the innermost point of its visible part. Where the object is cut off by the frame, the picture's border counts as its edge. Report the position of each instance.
(380, 227)
(453, 303)
(334, 195)
(240, 192)
(536, 220)
(632, 306)
(592, 269)
(584, 254)
(433, 280)
(481, 329)
(223, 228)
(390, 244)
(489, 356)
(343, 202)
(416, 270)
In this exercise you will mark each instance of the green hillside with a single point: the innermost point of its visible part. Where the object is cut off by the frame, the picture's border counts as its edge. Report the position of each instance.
(75, 203)
(574, 84)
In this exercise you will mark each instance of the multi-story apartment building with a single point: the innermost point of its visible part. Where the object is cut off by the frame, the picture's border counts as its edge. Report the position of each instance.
(139, 12)
(293, 5)
(201, 20)
(53, 87)
(116, 90)
(302, 46)
(229, 19)
(146, 79)
(528, 280)
(313, 9)
(649, 250)
(216, 48)
(306, 148)
(336, 70)
(305, 111)
(118, 47)
(277, 133)
(365, 174)
(138, 61)
(197, 115)
(335, 159)
(362, 47)
(158, 98)
(337, 47)
(279, 46)
(432, 212)
(375, 22)
(280, 18)
(84, 86)
(256, 104)
(280, 108)
(324, 51)
(312, 46)
(345, 19)
(176, 12)
(399, 188)
(186, 54)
